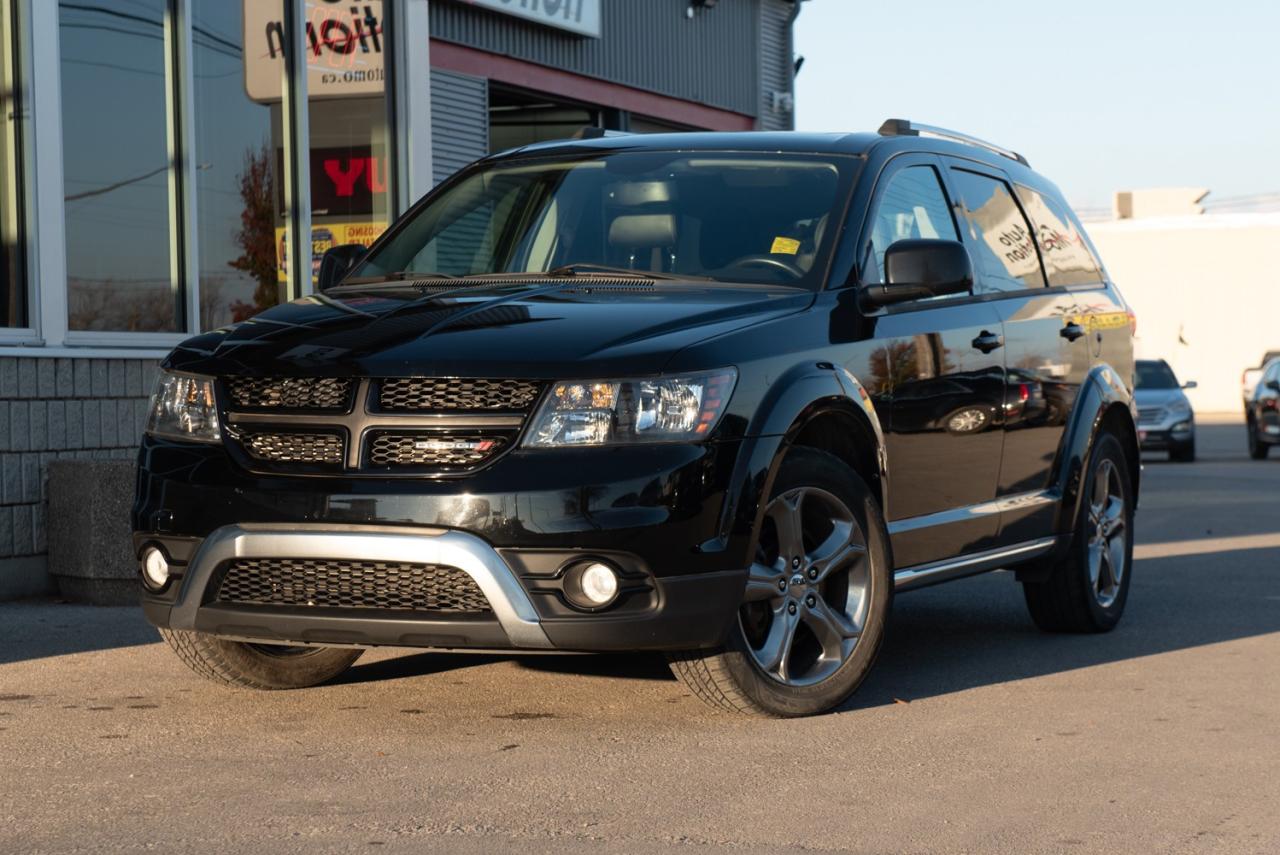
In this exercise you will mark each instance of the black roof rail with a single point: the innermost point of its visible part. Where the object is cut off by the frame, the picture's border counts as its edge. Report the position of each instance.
(591, 132)
(907, 128)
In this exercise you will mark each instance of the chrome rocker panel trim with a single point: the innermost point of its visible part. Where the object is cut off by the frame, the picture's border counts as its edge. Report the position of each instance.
(922, 575)
(511, 605)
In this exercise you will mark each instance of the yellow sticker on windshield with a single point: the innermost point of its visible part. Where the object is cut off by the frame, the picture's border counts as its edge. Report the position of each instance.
(785, 246)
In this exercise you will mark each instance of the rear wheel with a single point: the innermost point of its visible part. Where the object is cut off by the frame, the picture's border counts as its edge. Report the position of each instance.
(258, 666)
(816, 601)
(1257, 448)
(1086, 590)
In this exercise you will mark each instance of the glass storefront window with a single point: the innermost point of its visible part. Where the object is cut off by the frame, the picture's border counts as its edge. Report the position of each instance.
(350, 158)
(13, 284)
(116, 167)
(239, 152)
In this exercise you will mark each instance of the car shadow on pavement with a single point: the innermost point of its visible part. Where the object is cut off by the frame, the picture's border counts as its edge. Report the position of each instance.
(630, 666)
(977, 632)
(36, 629)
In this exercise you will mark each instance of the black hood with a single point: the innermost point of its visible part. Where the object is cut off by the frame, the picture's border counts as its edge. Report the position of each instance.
(559, 330)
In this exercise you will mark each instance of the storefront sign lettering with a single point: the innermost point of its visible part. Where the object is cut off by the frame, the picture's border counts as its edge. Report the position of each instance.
(579, 16)
(345, 45)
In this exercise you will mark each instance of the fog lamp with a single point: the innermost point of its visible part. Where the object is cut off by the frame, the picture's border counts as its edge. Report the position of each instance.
(591, 585)
(155, 568)
(1182, 427)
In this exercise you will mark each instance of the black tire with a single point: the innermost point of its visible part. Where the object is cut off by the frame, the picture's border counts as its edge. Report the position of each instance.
(730, 677)
(1069, 599)
(255, 666)
(1183, 453)
(1258, 449)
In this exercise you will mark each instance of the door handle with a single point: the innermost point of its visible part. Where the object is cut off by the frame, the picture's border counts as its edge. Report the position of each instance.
(988, 341)
(1071, 331)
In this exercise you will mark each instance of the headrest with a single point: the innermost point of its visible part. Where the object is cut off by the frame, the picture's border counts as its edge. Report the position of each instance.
(636, 230)
(632, 193)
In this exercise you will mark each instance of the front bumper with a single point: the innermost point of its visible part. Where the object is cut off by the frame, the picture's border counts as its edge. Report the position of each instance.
(1166, 434)
(657, 513)
(683, 613)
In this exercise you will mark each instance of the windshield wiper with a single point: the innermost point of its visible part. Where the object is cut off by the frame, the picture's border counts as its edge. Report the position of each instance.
(587, 269)
(398, 276)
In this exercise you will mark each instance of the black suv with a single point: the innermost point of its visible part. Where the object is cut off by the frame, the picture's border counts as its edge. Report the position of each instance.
(718, 395)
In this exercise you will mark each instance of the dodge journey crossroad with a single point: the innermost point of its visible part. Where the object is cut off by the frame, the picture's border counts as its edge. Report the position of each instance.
(716, 395)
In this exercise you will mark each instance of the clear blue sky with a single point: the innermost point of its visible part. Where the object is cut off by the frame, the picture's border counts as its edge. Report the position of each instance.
(1100, 95)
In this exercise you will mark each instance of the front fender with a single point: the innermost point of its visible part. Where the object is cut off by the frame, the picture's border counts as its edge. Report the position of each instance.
(803, 393)
(1104, 399)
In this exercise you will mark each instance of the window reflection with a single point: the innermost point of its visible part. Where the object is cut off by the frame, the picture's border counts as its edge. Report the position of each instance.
(116, 167)
(238, 149)
(1067, 258)
(1005, 252)
(350, 163)
(13, 286)
(913, 205)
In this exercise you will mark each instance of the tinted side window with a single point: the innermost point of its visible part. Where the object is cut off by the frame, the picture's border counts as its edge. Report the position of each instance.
(1067, 259)
(913, 205)
(1004, 252)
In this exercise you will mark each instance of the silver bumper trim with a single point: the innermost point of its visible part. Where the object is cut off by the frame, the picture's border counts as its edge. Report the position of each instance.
(511, 605)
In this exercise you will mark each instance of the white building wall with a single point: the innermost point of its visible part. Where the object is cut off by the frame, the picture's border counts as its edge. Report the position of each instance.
(1206, 290)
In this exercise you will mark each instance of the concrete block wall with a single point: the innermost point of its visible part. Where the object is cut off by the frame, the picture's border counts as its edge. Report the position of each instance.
(54, 408)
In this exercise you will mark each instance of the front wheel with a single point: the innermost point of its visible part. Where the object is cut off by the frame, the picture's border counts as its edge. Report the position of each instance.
(1086, 589)
(816, 601)
(258, 666)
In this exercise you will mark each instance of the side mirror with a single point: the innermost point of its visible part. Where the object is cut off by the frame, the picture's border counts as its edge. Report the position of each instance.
(1190, 384)
(916, 269)
(337, 263)
(1273, 385)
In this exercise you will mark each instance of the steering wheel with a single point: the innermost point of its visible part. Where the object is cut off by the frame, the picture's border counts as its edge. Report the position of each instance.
(786, 267)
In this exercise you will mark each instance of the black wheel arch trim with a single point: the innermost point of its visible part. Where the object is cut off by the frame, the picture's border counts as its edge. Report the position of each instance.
(1103, 396)
(796, 399)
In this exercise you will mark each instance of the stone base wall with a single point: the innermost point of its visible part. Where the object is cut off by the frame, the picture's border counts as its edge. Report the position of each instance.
(58, 409)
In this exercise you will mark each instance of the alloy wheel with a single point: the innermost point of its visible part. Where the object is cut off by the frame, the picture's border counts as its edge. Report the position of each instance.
(1107, 534)
(809, 590)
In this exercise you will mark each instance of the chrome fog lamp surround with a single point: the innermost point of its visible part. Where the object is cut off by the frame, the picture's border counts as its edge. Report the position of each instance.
(155, 568)
(1181, 427)
(591, 584)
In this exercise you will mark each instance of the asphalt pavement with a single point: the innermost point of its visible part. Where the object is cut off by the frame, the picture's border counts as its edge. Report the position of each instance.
(975, 733)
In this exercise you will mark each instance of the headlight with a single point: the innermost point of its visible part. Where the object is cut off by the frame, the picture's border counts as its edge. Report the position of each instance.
(183, 407)
(1179, 409)
(605, 412)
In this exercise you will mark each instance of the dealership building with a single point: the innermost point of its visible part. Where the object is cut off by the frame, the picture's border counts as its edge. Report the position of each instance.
(160, 159)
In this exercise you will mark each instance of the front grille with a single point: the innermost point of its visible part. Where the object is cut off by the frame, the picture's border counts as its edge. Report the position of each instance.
(1150, 415)
(444, 394)
(433, 450)
(326, 583)
(295, 447)
(291, 393)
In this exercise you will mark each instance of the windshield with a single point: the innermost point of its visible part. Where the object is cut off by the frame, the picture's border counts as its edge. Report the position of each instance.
(1156, 375)
(740, 217)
